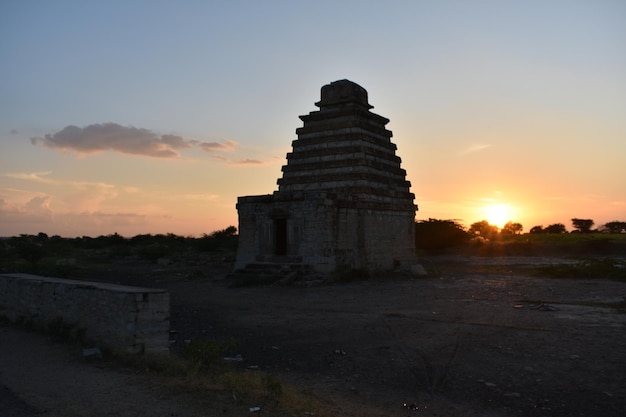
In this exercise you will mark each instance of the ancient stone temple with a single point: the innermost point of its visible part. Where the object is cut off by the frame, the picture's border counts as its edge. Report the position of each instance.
(343, 200)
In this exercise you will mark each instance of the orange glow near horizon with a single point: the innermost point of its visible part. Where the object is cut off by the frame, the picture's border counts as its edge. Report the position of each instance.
(498, 214)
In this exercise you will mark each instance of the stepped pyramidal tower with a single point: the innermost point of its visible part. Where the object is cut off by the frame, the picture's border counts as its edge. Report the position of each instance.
(343, 200)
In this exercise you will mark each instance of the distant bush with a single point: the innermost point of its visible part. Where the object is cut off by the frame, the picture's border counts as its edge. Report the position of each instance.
(220, 240)
(615, 227)
(434, 235)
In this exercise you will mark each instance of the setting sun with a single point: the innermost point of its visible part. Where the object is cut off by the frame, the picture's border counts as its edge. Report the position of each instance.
(498, 214)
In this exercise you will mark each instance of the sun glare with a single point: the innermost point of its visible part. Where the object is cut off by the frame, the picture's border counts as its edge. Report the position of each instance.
(498, 214)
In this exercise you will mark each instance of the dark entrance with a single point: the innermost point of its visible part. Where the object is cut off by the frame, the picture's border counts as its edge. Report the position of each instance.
(280, 227)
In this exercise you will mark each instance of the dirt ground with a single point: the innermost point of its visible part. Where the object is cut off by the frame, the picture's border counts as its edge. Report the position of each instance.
(478, 337)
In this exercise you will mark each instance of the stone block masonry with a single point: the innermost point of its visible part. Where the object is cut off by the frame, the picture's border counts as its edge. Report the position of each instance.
(343, 200)
(124, 319)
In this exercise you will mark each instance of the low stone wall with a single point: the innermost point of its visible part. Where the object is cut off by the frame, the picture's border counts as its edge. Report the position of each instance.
(125, 319)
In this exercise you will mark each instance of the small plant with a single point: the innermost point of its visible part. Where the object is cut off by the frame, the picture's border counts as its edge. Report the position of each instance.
(253, 385)
(208, 354)
(205, 354)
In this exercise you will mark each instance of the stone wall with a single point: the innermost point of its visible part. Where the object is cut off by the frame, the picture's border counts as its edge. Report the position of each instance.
(124, 319)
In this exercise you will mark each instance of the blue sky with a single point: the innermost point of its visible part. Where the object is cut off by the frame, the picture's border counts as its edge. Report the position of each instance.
(508, 103)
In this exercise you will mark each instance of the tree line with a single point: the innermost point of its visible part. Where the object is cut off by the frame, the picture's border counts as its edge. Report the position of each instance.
(32, 248)
(436, 234)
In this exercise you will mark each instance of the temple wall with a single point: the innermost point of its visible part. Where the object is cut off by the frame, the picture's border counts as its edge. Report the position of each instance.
(326, 232)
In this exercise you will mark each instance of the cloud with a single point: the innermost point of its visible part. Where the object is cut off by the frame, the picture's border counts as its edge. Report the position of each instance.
(34, 213)
(79, 195)
(6, 206)
(474, 148)
(98, 138)
(243, 161)
(32, 176)
(39, 205)
(89, 196)
(228, 145)
(248, 161)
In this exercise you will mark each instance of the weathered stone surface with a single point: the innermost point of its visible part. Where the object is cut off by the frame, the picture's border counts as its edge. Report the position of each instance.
(343, 199)
(126, 319)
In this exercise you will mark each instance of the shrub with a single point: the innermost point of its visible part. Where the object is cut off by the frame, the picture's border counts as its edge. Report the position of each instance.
(434, 235)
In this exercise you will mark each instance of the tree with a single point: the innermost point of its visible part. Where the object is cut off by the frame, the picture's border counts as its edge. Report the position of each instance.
(436, 235)
(582, 225)
(483, 229)
(224, 240)
(512, 228)
(615, 227)
(536, 230)
(555, 228)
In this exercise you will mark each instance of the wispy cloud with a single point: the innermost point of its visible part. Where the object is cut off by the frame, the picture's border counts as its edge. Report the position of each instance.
(474, 148)
(247, 161)
(242, 161)
(98, 138)
(79, 195)
(227, 145)
(32, 176)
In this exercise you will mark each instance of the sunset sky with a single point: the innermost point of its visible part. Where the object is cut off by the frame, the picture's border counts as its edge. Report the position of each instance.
(137, 117)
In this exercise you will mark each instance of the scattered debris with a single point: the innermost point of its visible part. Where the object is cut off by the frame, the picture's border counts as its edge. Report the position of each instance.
(411, 406)
(340, 352)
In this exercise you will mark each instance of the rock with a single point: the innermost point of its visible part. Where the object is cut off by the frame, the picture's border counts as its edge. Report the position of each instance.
(418, 270)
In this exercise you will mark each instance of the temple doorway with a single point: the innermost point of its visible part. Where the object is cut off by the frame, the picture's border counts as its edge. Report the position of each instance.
(280, 227)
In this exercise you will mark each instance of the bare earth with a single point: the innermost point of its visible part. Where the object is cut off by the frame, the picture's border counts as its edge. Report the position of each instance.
(479, 338)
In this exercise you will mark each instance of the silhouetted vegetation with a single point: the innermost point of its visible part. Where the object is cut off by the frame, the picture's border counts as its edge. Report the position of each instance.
(481, 238)
(483, 229)
(434, 235)
(512, 228)
(582, 225)
(67, 257)
(64, 257)
(615, 227)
